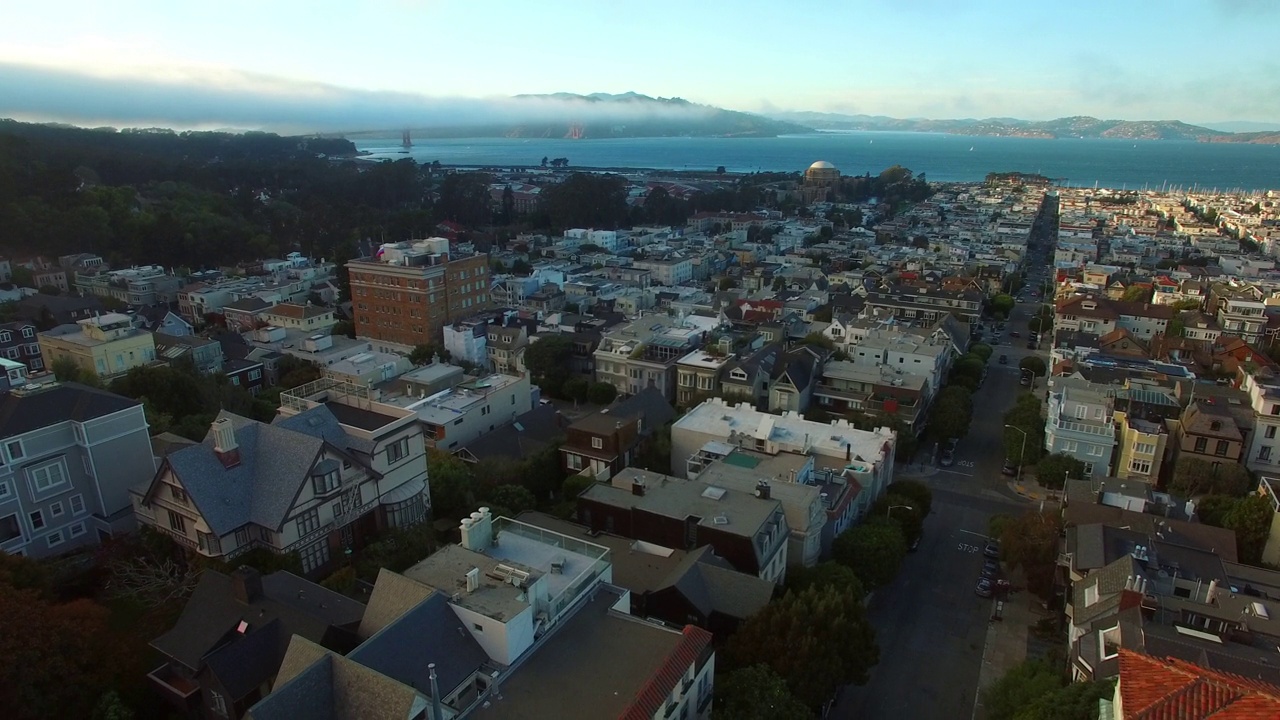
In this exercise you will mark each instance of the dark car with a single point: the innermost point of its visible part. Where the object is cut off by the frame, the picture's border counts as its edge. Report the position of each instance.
(1004, 359)
(1031, 345)
(991, 569)
(948, 454)
(984, 588)
(992, 550)
(1009, 468)
(1015, 334)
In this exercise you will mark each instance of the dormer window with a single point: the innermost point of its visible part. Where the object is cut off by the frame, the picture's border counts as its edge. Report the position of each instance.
(326, 478)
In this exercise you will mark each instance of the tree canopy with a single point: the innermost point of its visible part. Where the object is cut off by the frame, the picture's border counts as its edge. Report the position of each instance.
(1032, 690)
(1194, 476)
(1034, 364)
(816, 640)
(1052, 470)
(1030, 542)
(874, 550)
(756, 693)
(548, 361)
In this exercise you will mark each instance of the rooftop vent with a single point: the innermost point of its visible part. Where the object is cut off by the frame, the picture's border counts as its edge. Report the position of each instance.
(724, 520)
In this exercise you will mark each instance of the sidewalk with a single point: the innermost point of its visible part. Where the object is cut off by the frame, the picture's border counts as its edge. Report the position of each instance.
(1008, 637)
(1032, 490)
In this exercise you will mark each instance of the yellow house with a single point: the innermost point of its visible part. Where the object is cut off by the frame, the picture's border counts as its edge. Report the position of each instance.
(107, 345)
(1141, 446)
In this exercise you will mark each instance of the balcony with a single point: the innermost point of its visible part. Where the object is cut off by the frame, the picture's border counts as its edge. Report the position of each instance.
(181, 538)
(180, 691)
(1100, 429)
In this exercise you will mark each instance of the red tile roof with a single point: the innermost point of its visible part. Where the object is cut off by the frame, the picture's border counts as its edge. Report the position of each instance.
(1170, 689)
(655, 692)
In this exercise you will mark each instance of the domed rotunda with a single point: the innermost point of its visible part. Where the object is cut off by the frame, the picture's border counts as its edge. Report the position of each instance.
(821, 173)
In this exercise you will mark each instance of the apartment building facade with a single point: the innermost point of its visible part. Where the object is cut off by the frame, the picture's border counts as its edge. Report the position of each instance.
(409, 291)
(1263, 455)
(107, 345)
(644, 354)
(1080, 423)
(18, 343)
(68, 456)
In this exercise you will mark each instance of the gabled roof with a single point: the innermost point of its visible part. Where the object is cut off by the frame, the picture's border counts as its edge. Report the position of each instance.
(527, 434)
(649, 404)
(393, 595)
(320, 685)
(212, 615)
(710, 584)
(429, 633)
(274, 463)
(1155, 689)
(651, 698)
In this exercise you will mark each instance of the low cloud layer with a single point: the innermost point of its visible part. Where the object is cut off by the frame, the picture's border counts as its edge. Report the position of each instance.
(206, 99)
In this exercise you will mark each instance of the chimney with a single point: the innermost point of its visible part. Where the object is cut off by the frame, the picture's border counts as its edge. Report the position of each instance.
(848, 452)
(437, 713)
(637, 487)
(224, 443)
(762, 489)
(246, 584)
(1212, 595)
(473, 579)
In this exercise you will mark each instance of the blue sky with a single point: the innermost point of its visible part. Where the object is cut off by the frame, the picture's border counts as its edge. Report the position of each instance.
(1194, 60)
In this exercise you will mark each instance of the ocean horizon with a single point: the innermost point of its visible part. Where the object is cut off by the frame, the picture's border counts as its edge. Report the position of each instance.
(1110, 163)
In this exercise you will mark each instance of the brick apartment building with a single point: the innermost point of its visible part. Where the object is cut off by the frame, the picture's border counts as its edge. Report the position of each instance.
(408, 291)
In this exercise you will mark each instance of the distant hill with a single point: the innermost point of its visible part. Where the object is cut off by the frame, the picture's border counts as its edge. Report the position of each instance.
(601, 115)
(1079, 126)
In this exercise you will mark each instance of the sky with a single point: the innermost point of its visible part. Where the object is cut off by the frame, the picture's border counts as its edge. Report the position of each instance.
(348, 65)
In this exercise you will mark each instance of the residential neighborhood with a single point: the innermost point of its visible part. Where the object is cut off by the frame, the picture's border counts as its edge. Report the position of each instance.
(1001, 429)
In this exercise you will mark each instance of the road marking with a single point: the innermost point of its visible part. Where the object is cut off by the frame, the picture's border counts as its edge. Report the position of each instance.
(970, 532)
(965, 547)
(965, 463)
(953, 472)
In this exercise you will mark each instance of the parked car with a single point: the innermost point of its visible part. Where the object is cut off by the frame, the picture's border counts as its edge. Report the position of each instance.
(992, 550)
(1031, 344)
(991, 569)
(948, 454)
(984, 588)
(1015, 334)
(1004, 359)
(1009, 469)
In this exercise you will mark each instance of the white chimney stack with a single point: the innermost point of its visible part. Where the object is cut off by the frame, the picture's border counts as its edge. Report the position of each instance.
(473, 579)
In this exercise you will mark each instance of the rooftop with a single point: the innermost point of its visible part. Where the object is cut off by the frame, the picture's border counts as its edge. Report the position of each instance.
(731, 511)
(610, 658)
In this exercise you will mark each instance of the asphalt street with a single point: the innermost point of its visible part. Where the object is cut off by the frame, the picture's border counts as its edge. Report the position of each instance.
(931, 626)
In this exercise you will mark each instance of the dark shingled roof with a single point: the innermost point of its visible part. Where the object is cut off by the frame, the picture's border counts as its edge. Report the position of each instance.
(274, 462)
(213, 613)
(241, 665)
(23, 412)
(429, 633)
(528, 434)
(712, 585)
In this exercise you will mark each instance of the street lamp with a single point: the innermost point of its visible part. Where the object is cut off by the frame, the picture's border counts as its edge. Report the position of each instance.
(1032, 382)
(1022, 455)
(889, 512)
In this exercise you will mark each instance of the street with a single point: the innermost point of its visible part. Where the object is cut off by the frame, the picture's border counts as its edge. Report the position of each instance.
(932, 628)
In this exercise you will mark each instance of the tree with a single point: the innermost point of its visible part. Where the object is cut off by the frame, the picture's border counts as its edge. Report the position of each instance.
(1213, 509)
(919, 494)
(510, 499)
(817, 339)
(47, 649)
(1030, 542)
(65, 369)
(727, 283)
(952, 413)
(982, 351)
(451, 485)
(825, 574)
(902, 511)
(344, 327)
(1194, 476)
(1250, 518)
(817, 640)
(1002, 304)
(873, 550)
(426, 353)
(1052, 470)
(756, 693)
(576, 389)
(1136, 293)
(548, 361)
(111, 707)
(720, 170)
(602, 393)
(1034, 364)
(969, 367)
(1027, 433)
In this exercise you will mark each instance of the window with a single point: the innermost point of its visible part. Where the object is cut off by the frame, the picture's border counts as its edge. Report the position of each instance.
(5, 492)
(397, 450)
(1264, 453)
(1082, 412)
(55, 538)
(1142, 467)
(9, 528)
(1144, 448)
(597, 443)
(1270, 433)
(209, 543)
(314, 555)
(1221, 448)
(575, 461)
(47, 477)
(255, 374)
(177, 523)
(179, 495)
(15, 450)
(78, 430)
(326, 483)
(1201, 444)
(308, 521)
(56, 510)
(37, 520)
(76, 502)
(242, 537)
(218, 702)
(1088, 468)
